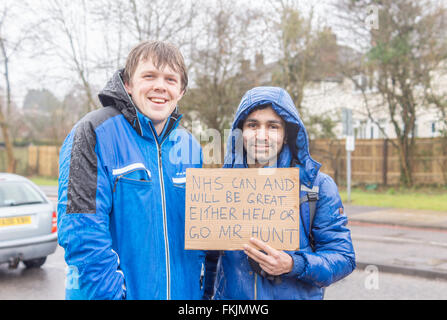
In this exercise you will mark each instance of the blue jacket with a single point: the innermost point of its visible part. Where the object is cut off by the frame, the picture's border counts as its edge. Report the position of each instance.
(121, 205)
(333, 257)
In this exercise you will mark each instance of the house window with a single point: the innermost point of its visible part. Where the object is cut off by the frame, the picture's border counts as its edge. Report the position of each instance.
(360, 83)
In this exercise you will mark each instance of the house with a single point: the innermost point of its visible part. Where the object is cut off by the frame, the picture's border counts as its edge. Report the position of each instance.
(329, 93)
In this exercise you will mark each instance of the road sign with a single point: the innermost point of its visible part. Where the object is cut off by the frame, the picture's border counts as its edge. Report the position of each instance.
(346, 119)
(350, 143)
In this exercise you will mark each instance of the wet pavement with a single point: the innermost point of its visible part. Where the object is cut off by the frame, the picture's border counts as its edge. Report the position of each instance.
(410, 242)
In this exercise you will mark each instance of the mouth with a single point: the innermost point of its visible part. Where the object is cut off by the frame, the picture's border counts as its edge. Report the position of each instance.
(260, 146)
(158, 100)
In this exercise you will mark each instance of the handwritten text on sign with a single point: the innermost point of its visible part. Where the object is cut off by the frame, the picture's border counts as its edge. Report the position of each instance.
(226, 207)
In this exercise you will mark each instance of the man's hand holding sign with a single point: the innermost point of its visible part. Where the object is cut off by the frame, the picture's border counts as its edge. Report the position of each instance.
(274, 262)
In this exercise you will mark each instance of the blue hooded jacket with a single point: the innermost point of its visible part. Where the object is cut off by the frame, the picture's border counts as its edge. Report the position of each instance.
(333, 255)
(121, 205)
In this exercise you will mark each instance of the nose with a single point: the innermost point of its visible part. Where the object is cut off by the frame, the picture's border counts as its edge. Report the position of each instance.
(261, 133)
(159, 84)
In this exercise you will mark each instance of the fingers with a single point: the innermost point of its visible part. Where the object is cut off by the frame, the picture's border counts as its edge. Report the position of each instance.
(268, 269)
(264, 261)
(268, 259)
(256, 255)
(263, 246)
(274, 262)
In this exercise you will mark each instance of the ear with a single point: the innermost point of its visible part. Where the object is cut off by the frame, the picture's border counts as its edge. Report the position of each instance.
(181, 94)
(128, 88)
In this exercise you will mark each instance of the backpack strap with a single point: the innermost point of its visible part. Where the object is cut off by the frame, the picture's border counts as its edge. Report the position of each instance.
(311, 196)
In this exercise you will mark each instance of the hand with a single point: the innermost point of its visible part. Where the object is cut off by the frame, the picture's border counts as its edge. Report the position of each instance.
(275, 262)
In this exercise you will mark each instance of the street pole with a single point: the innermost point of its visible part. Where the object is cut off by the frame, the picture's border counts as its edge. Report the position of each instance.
(348, 174)
(346, 118)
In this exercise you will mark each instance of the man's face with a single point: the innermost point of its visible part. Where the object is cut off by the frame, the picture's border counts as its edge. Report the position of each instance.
(264, 135)
(155, 92)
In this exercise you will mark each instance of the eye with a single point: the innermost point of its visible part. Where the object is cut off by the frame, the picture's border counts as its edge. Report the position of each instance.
(252, 125)
(172, 80)
(148, 76)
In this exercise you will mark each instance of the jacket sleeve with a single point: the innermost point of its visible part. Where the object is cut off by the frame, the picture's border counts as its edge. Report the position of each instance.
(84, 204)
(334, 256)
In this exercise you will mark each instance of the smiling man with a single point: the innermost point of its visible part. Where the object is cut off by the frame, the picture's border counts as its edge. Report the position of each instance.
(121, 198)
(273, 135)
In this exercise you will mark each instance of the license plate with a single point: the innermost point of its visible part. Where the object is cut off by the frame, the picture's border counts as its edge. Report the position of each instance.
(15, 221)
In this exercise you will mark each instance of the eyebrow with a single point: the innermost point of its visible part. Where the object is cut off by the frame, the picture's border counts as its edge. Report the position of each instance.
(160, 72)
(269, 121)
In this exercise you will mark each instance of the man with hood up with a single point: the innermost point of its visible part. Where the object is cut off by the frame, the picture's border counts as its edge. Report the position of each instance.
(121, 199)
(272, 133)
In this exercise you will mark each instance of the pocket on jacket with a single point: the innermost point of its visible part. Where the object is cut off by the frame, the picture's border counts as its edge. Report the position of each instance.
(138, 177)
(135, 171)
(134, 188)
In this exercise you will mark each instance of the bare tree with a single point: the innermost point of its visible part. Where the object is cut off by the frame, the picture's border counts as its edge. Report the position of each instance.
(306, 49)
(218, 85)
(68, 31)
(165, 20)
(11, 46)
(402, 53)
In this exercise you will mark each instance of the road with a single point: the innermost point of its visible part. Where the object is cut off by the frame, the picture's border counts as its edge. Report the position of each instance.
(47, 283)
(362, 285)
(411, 247)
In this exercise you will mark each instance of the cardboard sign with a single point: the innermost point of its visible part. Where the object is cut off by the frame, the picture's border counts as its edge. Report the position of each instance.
(226, 207)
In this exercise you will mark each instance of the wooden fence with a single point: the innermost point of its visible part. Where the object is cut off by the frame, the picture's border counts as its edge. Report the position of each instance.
(376, 161)
(34, 161)
(373, 161)
(43, 161)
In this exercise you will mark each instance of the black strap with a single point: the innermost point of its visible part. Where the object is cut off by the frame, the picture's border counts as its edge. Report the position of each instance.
(257, 268)
(311, 197)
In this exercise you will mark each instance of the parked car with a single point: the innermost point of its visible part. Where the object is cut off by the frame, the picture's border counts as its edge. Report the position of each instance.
(28, 222)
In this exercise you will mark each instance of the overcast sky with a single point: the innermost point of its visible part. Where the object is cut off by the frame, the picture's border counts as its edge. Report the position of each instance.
(32, 70)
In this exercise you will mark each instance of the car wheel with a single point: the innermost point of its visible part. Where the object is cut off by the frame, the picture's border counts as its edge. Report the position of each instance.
(35, 263)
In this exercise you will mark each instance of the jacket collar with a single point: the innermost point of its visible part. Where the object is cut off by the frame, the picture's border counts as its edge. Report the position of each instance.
(148, 130)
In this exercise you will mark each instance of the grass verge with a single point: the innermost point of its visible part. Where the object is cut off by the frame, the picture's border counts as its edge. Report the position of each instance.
(42, 181)
(434, 200)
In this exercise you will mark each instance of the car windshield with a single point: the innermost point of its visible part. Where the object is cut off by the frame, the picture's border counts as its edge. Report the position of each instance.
(17, 193)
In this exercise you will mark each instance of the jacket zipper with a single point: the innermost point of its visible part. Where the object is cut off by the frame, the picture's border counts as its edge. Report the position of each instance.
(165, 224)
(116, 182)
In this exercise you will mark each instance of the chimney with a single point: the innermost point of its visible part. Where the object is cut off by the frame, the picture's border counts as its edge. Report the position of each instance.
(245, 66)
(259, 61)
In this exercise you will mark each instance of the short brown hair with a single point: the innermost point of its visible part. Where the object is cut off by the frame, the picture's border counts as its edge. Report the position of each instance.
(161, 54)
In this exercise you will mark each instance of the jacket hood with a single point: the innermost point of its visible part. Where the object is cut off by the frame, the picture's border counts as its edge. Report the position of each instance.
(115, 95)
(294, 153)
